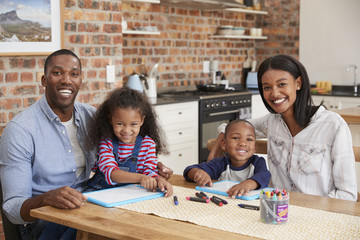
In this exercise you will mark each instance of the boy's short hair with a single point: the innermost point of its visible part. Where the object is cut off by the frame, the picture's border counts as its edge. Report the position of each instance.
(237, 121)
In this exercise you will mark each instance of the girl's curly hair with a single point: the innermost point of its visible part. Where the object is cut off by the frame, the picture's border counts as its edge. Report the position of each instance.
(125, 98)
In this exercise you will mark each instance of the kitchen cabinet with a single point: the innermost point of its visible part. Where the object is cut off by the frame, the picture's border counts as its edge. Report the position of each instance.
(258, 108)
(336, 103)
(179, 122)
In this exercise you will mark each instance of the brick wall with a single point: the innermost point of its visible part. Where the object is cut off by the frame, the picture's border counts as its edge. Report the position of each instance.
(93, 31)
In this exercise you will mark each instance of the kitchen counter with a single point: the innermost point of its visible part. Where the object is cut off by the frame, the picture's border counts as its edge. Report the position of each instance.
(350, 115)
(162, 100)
(339, 91)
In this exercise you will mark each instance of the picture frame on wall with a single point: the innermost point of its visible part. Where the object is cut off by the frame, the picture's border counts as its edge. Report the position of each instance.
(31, 27)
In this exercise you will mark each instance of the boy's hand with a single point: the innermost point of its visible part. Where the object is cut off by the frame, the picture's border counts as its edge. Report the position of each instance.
(163, 185)
(201, 177)
(148, 182)
(242, 188)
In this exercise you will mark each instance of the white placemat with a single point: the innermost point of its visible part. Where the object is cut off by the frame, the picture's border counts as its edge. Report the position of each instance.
(303, 223)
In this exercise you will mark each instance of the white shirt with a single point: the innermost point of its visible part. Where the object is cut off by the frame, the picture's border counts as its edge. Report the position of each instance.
(319, 160)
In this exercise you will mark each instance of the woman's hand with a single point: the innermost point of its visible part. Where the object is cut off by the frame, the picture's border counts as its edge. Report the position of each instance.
(164, 171)
(163, 185)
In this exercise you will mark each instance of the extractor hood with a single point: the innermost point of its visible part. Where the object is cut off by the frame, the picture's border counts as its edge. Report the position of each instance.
(204, 4)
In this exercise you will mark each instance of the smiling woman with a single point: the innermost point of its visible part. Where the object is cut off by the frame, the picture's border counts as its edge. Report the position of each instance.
(309, 147)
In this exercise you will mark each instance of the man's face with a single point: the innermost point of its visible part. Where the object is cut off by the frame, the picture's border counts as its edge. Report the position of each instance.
(62, 82)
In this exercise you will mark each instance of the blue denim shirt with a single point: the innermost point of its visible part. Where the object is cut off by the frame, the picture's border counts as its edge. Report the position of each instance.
(36, 155)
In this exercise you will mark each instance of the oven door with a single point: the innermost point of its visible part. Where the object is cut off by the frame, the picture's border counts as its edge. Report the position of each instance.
(209, 122)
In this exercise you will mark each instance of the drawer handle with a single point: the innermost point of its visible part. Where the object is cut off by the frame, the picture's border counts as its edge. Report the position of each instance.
(180, 155)
(179, 113)
(180, 133)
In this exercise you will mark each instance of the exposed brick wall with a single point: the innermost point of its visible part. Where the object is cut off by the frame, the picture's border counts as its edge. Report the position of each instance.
(93, 32)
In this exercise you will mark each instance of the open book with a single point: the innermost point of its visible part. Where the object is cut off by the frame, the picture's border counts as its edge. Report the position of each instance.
(222, 186)
(117, 196)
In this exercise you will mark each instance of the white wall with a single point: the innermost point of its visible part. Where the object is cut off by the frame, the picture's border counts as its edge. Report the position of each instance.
(330, 39)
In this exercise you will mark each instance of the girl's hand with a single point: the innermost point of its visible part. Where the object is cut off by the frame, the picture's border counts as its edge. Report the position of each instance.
(242, 188)
(148, 182)
(201, 177)
(163, 185)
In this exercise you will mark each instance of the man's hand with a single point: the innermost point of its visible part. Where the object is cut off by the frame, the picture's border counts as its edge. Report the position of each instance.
(64, 197)
(164, 171)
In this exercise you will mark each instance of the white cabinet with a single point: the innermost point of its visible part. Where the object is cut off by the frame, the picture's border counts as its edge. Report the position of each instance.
(179, 122)
(258, 108)
(336, 103)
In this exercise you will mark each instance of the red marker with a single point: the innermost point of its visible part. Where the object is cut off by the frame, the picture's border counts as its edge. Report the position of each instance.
(195, 199)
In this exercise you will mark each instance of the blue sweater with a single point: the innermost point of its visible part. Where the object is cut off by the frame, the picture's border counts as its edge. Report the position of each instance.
(221, 169)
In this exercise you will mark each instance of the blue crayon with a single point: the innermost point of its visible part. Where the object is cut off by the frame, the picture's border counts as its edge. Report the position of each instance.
(176, 200)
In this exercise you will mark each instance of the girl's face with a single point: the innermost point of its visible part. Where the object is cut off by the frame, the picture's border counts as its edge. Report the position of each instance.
(126, 124)
(279, 89)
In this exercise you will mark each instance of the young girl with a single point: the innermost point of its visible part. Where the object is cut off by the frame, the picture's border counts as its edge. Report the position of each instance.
(309, 147)
(126, 131)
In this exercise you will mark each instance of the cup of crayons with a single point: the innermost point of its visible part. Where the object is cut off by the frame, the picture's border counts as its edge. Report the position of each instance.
(274, 206)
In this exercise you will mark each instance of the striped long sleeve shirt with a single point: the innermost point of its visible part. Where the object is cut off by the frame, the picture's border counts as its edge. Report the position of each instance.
(147, 160)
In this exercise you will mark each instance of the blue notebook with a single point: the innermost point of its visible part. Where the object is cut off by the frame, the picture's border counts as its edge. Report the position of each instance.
(117, 196)
(221, 187)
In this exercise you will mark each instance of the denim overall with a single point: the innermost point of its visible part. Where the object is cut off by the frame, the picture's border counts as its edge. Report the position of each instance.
(98, 181)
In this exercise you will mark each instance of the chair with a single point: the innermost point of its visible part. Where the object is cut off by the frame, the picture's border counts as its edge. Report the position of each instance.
(261, 148)
(11, 231)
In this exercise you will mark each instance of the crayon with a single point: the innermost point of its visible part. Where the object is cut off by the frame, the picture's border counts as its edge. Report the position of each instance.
(246, 206)
(216, 201)
(199, 195)
(176, 200)
(222, 200)
(195, 199)
(202, 193)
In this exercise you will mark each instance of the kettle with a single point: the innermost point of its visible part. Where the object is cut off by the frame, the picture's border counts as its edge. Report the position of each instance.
(134, 82)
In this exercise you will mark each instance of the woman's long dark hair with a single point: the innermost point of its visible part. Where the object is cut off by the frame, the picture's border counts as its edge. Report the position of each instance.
(304, 108)
(125, 98)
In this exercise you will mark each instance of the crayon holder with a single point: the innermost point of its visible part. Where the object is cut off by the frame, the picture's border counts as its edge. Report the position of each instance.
(274, 211)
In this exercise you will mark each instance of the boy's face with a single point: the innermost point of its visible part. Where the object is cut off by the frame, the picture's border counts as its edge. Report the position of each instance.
(239, 143)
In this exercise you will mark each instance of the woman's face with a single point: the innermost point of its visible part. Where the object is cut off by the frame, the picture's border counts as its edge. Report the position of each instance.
(279, 89)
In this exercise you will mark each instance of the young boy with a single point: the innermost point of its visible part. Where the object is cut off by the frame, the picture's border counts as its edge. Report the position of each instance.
(239, 165)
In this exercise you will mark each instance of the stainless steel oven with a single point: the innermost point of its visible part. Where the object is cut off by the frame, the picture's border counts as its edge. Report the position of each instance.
(217, 109)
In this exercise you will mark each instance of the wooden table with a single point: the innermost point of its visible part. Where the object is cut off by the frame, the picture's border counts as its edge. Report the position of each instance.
(350, 115)
(96, 222)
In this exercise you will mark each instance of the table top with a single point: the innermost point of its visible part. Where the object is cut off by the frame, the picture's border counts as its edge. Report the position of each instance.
(98, 220)
(350, 115)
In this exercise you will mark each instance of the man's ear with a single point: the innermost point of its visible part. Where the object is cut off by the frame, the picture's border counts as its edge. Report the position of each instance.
(43, 81)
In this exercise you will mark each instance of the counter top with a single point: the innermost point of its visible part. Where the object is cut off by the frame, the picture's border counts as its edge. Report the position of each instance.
(160, 100)
(350, 115)
(339, 91)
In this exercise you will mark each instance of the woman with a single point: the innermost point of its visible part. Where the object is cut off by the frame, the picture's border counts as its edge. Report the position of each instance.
(309, 147)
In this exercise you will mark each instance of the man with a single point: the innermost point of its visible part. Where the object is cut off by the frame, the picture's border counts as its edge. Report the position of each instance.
(42, 160)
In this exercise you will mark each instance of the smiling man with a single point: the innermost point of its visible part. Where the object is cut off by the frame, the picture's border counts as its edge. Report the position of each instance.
(42, 160)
